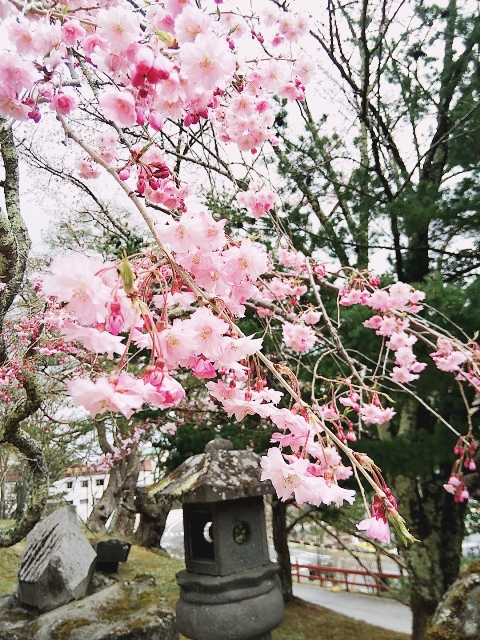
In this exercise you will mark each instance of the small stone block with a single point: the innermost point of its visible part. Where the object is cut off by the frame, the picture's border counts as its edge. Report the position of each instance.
(110, 553)
(107, 567)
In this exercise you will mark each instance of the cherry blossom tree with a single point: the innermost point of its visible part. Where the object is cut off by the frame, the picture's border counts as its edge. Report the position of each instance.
(147, 101)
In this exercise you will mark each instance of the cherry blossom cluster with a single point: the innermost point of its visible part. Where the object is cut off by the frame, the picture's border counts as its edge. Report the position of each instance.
(465, 448)
(140, 325)
(392, 302)
(117, 308)
(257, 200)
(178, 62)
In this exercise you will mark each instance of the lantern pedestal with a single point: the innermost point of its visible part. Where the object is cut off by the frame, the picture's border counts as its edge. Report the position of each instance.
(244, 605)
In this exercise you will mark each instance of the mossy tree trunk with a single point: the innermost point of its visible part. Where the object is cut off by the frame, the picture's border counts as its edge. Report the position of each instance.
(437, 521)
(153, 518)
(14, 248)
(108, 503)
(125, 513)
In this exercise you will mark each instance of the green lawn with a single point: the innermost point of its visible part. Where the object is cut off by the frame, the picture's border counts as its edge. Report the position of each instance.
(303, 621)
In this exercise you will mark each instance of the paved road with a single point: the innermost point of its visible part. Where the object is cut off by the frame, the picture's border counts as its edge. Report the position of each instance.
(388, 614)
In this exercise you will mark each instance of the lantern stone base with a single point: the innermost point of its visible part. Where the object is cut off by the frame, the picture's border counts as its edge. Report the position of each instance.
(245, 605)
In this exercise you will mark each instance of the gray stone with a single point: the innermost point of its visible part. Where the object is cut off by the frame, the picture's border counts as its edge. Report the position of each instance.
(57, 563)
(110, 553)
(458, 615)
(213, 476)
(225, 537)
(242, 606)
(124, 611)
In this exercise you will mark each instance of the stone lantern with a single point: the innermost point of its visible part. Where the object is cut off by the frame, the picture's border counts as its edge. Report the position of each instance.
(229, 590)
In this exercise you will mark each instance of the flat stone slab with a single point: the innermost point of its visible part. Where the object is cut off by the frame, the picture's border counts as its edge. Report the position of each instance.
(57, 563)
(124, 611)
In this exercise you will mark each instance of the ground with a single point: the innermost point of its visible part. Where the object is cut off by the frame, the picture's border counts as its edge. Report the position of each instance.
(303, 621)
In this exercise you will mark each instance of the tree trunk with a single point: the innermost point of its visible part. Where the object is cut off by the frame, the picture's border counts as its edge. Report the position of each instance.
(101, 512)
(3, 501)
(280, 541)
(433, 564)
(124, 518)
(153, 518)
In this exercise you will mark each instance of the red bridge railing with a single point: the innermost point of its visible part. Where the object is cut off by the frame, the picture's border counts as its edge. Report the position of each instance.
(331, 576)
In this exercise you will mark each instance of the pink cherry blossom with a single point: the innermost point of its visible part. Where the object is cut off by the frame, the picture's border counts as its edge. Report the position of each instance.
(16, 73)
(404, 356)
(203, 369)
(10, 107)
(352, 401)
(329, 412)
(285, 419)
(402, 375)
(400, 295)
(248, 260)
(86, 168)
(93, 339)
(376, 528)
(190, 23)
(241, 408)
(164, 391)
(258, 200)
(209, 330)
(22, 36)
(373, 414)
(207, 62)
(118, 106)
(74, 280)
(232, 350)
(63, 103)
(379, 300)
(292, 259)
(122, 394)
(221, 391)
(373, 323)
(400, 339)
(118, 26)
(298, 337)
(311, 317)
(178, 343)
(284, 477)
(72, 31)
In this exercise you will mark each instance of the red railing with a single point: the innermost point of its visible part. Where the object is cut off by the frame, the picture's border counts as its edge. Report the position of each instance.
(330, 576)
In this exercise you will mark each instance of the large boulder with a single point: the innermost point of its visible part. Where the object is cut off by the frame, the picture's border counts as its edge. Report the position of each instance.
(458, 615)
(130, 610)
(57, 563)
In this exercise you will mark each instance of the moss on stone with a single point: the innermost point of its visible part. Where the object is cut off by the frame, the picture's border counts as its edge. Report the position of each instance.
(440, 633)
(64, 629)
(133, 601)
(449, 621)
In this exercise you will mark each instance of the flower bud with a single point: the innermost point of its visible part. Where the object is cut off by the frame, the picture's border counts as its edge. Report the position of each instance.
(160, 70)
(155, 120)
(144, 59)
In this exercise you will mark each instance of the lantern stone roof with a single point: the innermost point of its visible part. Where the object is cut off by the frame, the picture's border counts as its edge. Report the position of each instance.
(221, 473)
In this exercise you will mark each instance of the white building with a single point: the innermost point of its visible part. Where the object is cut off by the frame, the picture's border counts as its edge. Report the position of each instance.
(82, 488)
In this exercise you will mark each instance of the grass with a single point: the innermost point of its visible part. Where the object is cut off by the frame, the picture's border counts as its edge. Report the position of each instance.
(303, 621)
(6, 524)
(9, 560)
